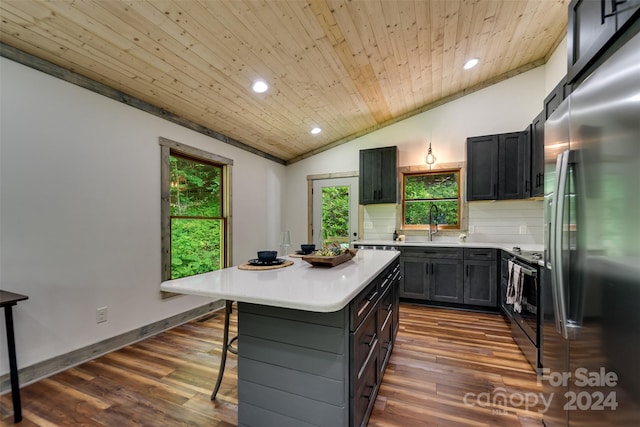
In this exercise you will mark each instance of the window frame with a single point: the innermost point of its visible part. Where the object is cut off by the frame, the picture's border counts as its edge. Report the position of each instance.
(440, 171)
(167, 149)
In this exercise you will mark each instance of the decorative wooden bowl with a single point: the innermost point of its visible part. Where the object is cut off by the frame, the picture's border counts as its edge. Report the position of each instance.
(330, 261)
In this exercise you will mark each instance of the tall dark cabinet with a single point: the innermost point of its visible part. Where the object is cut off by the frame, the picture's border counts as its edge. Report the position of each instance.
(498, 166)
(378, 180)
(537, 155)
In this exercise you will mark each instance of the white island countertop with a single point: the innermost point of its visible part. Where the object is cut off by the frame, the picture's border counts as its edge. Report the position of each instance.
(300, 286)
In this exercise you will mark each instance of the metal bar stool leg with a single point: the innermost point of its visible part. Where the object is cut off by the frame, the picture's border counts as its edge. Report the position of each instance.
(225, 347)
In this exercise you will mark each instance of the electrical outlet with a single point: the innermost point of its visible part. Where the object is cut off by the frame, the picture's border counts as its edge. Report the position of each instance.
(101, 314)
(523, 229)
(368, 225)
(472, 229)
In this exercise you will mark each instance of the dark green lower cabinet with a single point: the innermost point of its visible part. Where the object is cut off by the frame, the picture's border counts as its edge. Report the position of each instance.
(446, 281)
(481, 283)
(481, 277)
(415, 278)
(450, 275)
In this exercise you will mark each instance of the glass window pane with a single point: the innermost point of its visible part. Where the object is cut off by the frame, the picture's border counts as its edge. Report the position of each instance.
(335, 214)
(196, 188)
(417, 213)
(431, 186)
(196, 246)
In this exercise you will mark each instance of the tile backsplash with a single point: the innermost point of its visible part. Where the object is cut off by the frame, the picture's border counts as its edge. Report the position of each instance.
(379, 221)
(508, 221)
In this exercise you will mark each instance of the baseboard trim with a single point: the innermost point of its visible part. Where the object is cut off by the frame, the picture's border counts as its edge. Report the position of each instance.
(46, 368)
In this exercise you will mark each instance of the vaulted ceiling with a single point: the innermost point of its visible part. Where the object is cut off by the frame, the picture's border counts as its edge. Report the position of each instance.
(347, 67)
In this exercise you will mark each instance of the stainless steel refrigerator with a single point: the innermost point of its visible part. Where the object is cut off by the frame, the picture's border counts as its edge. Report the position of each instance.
(591, 280)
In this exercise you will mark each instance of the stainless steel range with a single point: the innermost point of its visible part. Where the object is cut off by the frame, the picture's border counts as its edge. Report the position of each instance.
(525, 319)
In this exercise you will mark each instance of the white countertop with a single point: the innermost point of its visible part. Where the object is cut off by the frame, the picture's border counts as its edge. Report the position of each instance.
(448, 244)
(300, 286)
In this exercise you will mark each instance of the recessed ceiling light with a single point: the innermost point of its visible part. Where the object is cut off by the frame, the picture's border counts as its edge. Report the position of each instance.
(471, 63)
(259, 86)
(316, 131)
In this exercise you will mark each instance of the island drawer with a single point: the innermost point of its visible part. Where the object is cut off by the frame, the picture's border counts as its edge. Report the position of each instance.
(364, 303)
(385, 317)
(365, 392)
(365, 343)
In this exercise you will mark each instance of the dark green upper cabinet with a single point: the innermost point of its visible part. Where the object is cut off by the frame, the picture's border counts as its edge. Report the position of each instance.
(592, 26)
(379, 175)
(555, 98)
(537, 156)
(498, 166)
(482, 167)
(513, 165)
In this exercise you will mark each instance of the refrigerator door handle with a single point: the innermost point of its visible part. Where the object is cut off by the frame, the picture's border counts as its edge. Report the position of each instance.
(559, 303)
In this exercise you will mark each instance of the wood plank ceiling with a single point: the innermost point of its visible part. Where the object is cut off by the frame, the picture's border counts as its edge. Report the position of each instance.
(348, 67)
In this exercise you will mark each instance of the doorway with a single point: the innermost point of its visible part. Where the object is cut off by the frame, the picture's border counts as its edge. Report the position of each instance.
(335, 211)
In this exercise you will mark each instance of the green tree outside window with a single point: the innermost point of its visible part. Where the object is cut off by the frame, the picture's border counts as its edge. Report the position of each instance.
(197, 222)
(422, 190)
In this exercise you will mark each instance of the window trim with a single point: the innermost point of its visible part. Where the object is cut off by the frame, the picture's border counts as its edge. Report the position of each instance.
(167, 148)
(443, 170)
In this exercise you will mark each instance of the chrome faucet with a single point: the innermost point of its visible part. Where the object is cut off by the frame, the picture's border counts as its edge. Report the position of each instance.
(431, 208)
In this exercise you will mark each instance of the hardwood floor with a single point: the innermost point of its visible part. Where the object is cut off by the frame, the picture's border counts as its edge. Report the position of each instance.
(440, 356)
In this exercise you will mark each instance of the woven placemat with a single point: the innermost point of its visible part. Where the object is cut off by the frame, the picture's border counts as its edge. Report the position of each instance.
(287, 263)
(295, 255)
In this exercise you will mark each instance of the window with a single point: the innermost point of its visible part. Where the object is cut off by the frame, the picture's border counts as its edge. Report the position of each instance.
(194, 210)
(422, 190)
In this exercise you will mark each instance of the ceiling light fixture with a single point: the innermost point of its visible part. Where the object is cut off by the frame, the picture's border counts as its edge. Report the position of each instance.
(471, 63)
(431, 159)
(259, 86)
(316, 131)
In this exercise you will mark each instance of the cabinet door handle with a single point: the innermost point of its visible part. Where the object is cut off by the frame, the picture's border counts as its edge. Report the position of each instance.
(372, 340)
(370, 395)
(368, 303)
(614, 9)
(495, 191)
(372, 296)
(467, 270)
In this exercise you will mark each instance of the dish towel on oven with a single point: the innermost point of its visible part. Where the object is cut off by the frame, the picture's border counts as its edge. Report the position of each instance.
(514, 287)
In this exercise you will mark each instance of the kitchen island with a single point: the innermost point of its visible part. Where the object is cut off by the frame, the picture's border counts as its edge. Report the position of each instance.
(313, 341)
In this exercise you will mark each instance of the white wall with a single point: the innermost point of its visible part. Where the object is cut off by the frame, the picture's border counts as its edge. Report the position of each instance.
(556, 67)
(80, 212)
(504, 107)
